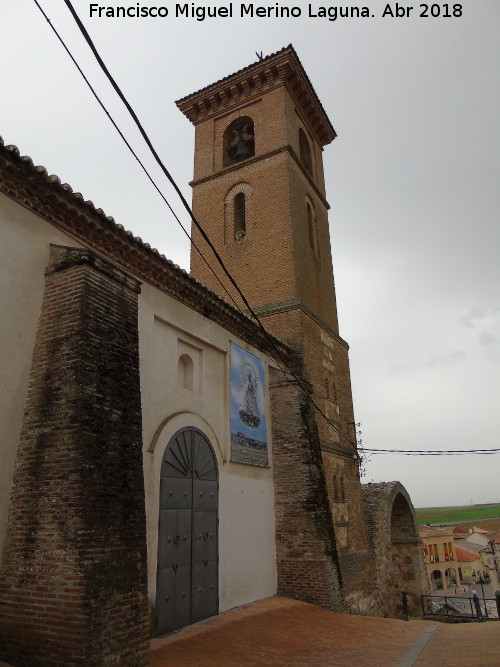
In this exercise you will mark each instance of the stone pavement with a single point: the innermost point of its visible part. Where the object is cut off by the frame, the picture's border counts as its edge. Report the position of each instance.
(280, 631)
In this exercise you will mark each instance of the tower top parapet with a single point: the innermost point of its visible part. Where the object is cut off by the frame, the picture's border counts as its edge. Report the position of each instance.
(282, 68)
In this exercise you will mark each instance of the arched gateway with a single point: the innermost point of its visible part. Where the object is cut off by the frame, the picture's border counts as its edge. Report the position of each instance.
(396, 549)
(187, 576)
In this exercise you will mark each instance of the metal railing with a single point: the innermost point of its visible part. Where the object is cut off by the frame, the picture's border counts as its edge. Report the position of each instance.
(465, 608)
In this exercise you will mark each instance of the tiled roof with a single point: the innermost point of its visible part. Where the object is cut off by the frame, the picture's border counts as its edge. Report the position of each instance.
(480, 531)
(56, 202)
(459, 531)
(263, 60)
(465, 556)
(240, 71)
(282, 67)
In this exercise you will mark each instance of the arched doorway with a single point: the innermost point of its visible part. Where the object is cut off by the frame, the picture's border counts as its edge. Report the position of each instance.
(406, 550)
(437, 580)
(451, 577)
(187, 574)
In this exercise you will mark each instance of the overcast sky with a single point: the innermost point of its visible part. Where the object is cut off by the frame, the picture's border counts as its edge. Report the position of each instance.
(412, 179)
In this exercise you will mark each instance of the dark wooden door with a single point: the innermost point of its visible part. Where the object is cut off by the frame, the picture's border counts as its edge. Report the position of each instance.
(187, 581)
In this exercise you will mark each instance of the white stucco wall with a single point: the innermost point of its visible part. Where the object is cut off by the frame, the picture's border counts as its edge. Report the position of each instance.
(24, 254)
(247, 557)
(167, 328)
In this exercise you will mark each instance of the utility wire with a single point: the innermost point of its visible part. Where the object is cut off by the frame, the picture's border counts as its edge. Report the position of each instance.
(432, 452)
(132, 151)
(196, 222)
(299, 383)
(209, 243)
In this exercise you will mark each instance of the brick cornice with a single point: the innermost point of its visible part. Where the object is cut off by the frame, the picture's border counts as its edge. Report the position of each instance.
(294, 304)
(342, 450)
(70, 257)
(258, 158)
(279, 69)
(47, 197)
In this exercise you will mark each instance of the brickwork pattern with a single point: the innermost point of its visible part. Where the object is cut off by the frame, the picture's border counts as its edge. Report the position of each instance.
(290, 284)
(280, 631)
(73, 590)
(306, 553)
(284, 268)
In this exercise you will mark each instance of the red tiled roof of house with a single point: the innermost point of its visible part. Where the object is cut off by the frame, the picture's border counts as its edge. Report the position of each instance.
(465, 556)
(459, 531)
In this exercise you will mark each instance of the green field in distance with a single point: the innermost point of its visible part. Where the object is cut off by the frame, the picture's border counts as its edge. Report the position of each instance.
(457, 514)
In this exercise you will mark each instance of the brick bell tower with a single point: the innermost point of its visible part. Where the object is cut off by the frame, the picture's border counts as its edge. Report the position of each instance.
(259, 193)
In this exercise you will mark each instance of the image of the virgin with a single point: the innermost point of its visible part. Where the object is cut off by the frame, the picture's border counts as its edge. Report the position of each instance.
(249, 410)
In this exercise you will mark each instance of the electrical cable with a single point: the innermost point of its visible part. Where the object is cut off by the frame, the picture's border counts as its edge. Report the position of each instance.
(206, 238)
(198, 225)
(432, 452)
(133, 152)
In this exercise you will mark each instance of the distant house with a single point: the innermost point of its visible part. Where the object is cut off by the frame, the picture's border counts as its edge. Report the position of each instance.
(470, 565)
(479, 536)
(486, 546)
(440, 558)
(458, 533)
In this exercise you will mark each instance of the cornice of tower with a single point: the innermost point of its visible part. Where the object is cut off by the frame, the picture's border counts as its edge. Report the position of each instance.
(279, 69)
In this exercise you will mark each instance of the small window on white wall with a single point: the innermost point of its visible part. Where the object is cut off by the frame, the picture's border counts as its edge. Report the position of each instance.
(185, 372)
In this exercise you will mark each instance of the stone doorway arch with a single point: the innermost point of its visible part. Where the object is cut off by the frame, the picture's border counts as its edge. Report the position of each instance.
(187, 570)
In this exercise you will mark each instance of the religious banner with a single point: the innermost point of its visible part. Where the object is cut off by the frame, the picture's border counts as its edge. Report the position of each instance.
(248, 413)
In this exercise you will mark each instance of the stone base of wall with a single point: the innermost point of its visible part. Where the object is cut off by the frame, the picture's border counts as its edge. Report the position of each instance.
(358, 582)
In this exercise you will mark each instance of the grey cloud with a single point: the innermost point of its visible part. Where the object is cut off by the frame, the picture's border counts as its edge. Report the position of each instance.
(469, 319)
(486, 338)
(449, 359)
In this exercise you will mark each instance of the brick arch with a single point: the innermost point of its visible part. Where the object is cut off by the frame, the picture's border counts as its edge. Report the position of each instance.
(238, 142)
(312, 225)
(396, 548)
(404, 543)
(229, 213)
(305, 152)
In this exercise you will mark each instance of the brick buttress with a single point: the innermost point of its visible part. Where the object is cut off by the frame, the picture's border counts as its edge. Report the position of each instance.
(73, 585)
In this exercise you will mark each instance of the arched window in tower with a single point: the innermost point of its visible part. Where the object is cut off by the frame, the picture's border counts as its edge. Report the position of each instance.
(312, 228)
(305, 151)
(342, 490)
(239, 141)
(239, 216)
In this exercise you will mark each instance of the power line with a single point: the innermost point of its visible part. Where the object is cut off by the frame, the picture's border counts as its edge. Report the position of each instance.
(186, 206)
(432, 452)
(132, 151)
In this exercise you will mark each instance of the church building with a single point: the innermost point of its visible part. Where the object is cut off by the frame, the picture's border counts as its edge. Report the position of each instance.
(166, 455)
